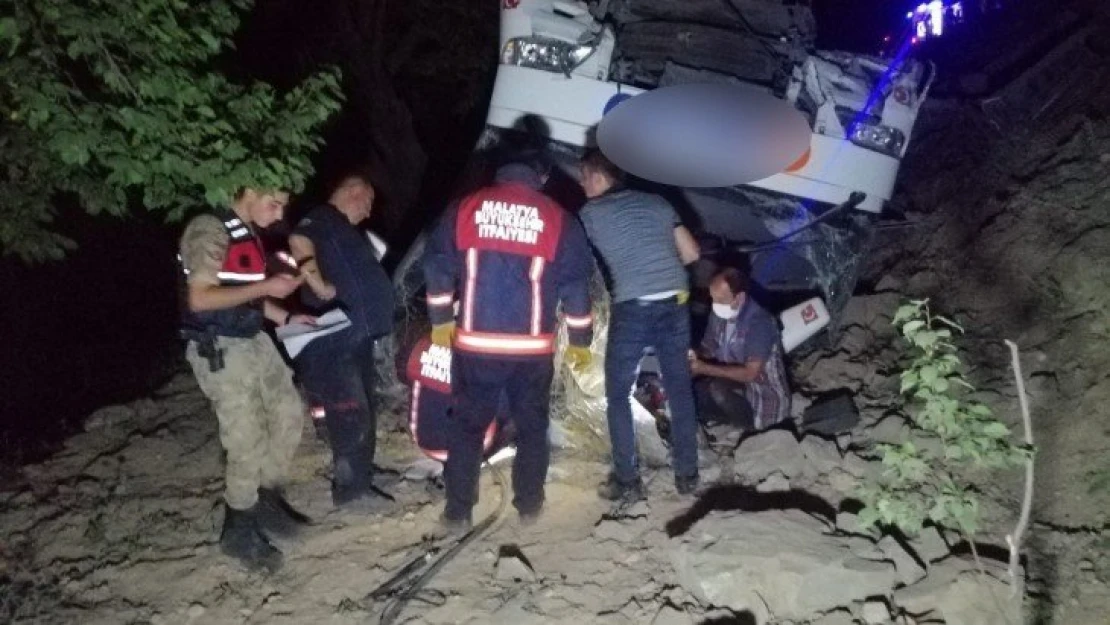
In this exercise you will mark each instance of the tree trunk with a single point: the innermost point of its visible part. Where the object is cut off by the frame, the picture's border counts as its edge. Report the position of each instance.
(393, 151)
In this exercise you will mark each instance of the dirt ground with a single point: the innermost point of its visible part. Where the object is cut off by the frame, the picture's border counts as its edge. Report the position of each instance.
(121, 528)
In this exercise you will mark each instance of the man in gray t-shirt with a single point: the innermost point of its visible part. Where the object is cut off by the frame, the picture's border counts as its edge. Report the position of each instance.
(643, 247)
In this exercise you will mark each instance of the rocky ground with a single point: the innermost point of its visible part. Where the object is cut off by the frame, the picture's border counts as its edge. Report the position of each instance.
(121, 526)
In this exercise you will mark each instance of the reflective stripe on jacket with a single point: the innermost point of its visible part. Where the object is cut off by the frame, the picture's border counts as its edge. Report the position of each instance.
(510, 256)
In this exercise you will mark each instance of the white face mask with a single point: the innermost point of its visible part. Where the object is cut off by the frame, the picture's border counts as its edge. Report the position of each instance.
(724, 311)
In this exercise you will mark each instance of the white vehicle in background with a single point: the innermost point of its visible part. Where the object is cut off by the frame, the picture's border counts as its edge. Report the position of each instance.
(565, 63)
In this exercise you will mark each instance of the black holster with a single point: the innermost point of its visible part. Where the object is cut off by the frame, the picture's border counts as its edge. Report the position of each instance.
(206, 347)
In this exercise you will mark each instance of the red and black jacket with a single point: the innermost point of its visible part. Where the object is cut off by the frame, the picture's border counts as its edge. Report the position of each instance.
(244, 263)
(510, 255)
(428, 372)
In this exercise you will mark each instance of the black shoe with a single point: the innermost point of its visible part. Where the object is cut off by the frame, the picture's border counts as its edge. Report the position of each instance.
(455, 527)
(614, 490)
(243, 540)
(686, 484)
(368, 503)
(276, 516)
(530, 516)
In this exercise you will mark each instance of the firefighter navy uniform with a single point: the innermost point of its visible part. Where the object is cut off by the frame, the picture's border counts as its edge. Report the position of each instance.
(510, 255)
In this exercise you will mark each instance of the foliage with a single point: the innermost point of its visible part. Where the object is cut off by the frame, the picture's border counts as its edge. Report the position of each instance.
(116, 102)
(951, 435)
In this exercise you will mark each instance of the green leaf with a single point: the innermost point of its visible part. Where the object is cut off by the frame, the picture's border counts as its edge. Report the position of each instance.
(149, 115)
(912, 326)
(9, 33)
(995, 429)
(929, 374)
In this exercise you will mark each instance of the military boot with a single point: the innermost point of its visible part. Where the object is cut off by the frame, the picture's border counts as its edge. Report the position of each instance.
(242, 539)
(277, 517)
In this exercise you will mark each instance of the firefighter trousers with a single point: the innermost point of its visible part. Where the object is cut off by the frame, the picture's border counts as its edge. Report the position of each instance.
(477, 383)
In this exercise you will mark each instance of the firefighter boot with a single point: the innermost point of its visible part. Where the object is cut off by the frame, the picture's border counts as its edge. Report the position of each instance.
(242, 539)
(277, 517)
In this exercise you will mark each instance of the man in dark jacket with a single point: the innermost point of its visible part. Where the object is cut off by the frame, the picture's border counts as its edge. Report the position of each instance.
(341, 271)
(511, 255)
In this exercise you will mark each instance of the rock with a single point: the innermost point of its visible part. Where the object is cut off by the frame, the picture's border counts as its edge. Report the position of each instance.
(798, 405)
(838, 617)
(781, 563)
(909, 570)
(196, 611)
(859, 467)
(776, 483)
(513, 566)
(638, 510)
(891, 430)
(822, 456)
(930, 545)
(848, 523)
(875, 613)
(764, 454)
(670, 615)
(617, 531)
(109, 417)
(423, 469)
(843, 482)
(957, 592)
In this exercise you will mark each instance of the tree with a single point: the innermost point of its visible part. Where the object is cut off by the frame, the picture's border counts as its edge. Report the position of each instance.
(417, 76)
(114, 103)
(951, 436)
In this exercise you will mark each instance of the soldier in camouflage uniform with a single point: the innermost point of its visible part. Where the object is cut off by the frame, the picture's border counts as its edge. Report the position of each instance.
(227, 297)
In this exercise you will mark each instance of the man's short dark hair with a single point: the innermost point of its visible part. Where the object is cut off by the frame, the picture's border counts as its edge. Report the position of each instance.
(534, 159)
(738, 281)
(595, 160)
(357, 176)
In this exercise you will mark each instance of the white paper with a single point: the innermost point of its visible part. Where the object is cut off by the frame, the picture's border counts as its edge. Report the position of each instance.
(296, 335)
(379, 245)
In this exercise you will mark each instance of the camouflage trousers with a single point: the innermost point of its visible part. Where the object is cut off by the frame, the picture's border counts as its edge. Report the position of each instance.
(259, 410)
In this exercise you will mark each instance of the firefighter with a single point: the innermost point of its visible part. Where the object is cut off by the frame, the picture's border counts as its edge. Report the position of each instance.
(511, 255)
(227, 296)
(341, 270)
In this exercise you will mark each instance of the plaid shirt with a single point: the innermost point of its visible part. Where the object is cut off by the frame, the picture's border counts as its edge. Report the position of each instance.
(753, 335)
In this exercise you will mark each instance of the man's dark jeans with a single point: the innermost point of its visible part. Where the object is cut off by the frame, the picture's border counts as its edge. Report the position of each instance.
(339, 377)
(665, 326)
(477, 384)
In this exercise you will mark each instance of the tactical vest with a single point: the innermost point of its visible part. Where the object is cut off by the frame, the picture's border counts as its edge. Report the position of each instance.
(244, 263)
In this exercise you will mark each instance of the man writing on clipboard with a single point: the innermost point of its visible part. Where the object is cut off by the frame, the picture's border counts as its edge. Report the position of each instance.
(341, 271)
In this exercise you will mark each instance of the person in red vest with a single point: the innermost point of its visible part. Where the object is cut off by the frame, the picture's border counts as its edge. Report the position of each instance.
(227, 297)
(510, 255)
